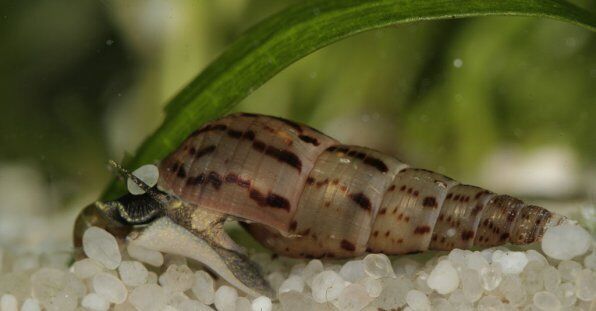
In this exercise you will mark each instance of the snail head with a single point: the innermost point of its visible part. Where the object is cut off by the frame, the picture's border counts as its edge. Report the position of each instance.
(120, 216)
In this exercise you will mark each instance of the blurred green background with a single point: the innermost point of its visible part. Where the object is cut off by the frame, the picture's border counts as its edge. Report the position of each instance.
(507, 103)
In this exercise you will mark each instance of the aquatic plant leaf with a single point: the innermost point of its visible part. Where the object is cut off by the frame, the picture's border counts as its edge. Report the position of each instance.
(285, 37)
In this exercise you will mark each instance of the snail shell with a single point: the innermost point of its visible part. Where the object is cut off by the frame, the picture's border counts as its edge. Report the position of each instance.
(304, 194)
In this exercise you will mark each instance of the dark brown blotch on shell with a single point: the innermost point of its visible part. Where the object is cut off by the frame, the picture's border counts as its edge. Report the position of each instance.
(347, 245)
(232, 178)
(259, 145)
(204, 151)
(477, 208)
(250, 135)
(181, 173)
(467, 235)
(504, 237)
(234, 133)
(366, 159)
(422, 230)
(270, 200)
(376, 163)
(278, 201)
(322, 182)
(429, 202)
(356, 154)
(215, 179)
(361, 199)
(284, 156)
(309, 140)
(196, 180)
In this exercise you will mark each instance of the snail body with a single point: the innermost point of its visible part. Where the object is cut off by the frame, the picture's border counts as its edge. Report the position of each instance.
(305, 194)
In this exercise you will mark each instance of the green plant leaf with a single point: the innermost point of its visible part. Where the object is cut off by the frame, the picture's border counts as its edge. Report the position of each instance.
(297, 31)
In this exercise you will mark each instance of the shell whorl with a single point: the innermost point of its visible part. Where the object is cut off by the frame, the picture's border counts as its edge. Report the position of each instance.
(306, 195)
(245, 165)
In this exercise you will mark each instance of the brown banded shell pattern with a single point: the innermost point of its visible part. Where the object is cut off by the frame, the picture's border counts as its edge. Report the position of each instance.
(305, 195)
(338, 205)
(249, 166)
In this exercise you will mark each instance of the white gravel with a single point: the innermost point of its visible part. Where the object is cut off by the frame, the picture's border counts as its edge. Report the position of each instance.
(443, 278)
(101, 246)
(566, 241)
(129, 277)
(510, 262)
(148, 173)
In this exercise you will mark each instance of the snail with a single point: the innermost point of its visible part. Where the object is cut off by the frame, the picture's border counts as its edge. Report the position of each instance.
(303, 194)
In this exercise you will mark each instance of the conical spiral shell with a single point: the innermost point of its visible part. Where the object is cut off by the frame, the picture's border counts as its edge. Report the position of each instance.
(304, 194)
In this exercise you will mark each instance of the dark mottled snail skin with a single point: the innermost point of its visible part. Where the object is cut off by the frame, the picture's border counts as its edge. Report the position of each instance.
(303, 194)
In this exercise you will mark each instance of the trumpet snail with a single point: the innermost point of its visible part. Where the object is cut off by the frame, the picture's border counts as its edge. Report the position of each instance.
(303, 194)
